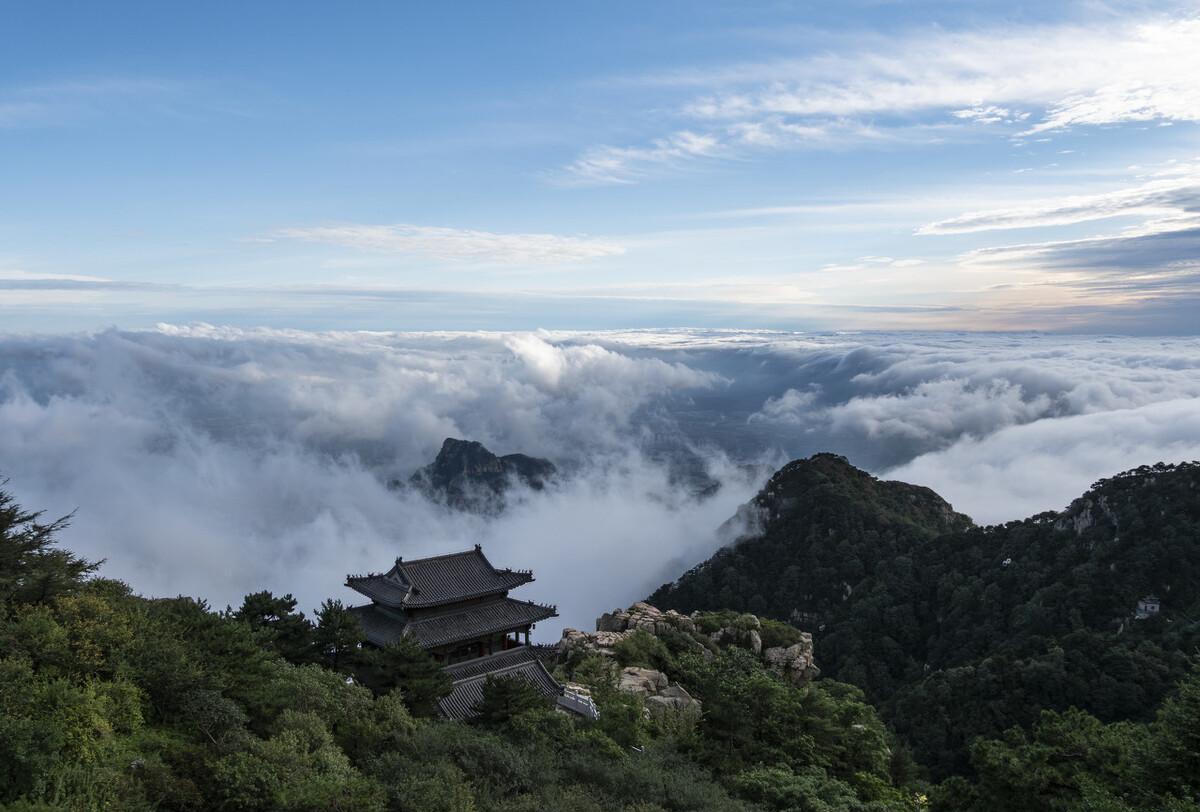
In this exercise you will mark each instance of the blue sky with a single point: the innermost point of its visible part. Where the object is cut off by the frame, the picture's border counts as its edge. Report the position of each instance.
(587, 165)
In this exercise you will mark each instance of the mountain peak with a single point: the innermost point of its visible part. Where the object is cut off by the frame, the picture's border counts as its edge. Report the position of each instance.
(466, 475)
(826, 484)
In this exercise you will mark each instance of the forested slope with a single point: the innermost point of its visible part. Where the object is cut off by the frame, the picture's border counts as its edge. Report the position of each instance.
(957, 631)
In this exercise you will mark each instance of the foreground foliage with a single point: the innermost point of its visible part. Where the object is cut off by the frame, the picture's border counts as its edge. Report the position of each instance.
(113, 701)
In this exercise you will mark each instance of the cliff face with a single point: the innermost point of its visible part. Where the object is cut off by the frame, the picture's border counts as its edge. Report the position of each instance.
(467, 476)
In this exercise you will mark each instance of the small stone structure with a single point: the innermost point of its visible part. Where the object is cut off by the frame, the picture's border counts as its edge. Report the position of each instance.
(1147, 607)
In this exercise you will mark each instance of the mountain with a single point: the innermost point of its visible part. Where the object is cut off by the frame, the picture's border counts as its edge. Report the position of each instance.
(814, 531)
(957, 631)
(469, 477)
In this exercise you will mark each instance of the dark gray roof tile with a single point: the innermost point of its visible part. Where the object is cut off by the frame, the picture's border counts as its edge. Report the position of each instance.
(520, 663)
(439, 580)
(383, 626)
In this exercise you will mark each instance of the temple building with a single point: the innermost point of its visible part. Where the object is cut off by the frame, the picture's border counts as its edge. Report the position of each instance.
(457, 608)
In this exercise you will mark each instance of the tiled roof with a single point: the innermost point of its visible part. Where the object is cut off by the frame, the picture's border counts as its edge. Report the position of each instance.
(386, 588)
(496, 615)
(438, 580)
(518, 663)
(493, 662)
(383, 626)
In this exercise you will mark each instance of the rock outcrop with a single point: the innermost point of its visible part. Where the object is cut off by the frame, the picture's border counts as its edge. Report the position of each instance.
(794, 662)
(745, 633)
(645, 617)
(659, 695)
(641, 681)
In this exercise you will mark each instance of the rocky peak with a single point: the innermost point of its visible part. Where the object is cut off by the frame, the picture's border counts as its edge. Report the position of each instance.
(466, 475)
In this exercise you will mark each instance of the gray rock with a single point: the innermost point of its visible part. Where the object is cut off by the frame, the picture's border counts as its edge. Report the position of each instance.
(641, 681)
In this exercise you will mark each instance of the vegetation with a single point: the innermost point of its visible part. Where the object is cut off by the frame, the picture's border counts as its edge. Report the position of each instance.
(113, 701)
(956, 631)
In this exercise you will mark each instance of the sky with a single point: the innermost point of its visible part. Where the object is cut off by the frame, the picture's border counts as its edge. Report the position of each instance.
(586, 166)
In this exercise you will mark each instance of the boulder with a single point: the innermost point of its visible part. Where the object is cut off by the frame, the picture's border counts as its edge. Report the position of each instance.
(795, 662)
(599, 642)
(641, 681)
(745, 632)
(674, 699)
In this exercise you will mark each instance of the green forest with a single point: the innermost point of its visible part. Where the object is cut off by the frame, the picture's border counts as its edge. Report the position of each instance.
(111, 700)
(956, 632)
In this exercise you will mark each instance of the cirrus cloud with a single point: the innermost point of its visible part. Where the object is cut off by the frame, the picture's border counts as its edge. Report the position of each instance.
(927, 85)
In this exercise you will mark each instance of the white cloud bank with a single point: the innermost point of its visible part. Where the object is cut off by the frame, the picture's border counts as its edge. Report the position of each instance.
(216, 461)
(1022, 470)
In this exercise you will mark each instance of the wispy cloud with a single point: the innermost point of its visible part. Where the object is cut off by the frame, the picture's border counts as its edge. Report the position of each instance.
(616, 165)
(1024, 81)
(1070, 74)
(606, 164)
(456, 244)
(1170, 196)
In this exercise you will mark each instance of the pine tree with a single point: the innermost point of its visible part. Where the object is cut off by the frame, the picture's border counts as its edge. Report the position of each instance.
(505, 697)
(338, 636)
(31, 570)
(405, 665)
(287, 631)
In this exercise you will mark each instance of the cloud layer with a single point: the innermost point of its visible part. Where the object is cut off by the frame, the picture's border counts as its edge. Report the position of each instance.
(216, 461)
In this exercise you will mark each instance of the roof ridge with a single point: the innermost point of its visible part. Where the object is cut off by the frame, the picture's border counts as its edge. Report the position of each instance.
(507, 669)
(525, 653)
(477, 549)
(401, 562)
(553, 606)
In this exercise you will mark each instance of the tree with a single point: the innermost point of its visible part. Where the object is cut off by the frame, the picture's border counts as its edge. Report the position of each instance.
(505, 697)
(338, 636)
(299, 768)
(31, 570)
(405, 665)
(1176, 746)
(287, 631)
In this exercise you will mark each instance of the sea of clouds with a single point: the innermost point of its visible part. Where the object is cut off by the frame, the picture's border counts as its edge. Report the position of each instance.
(218, 461)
